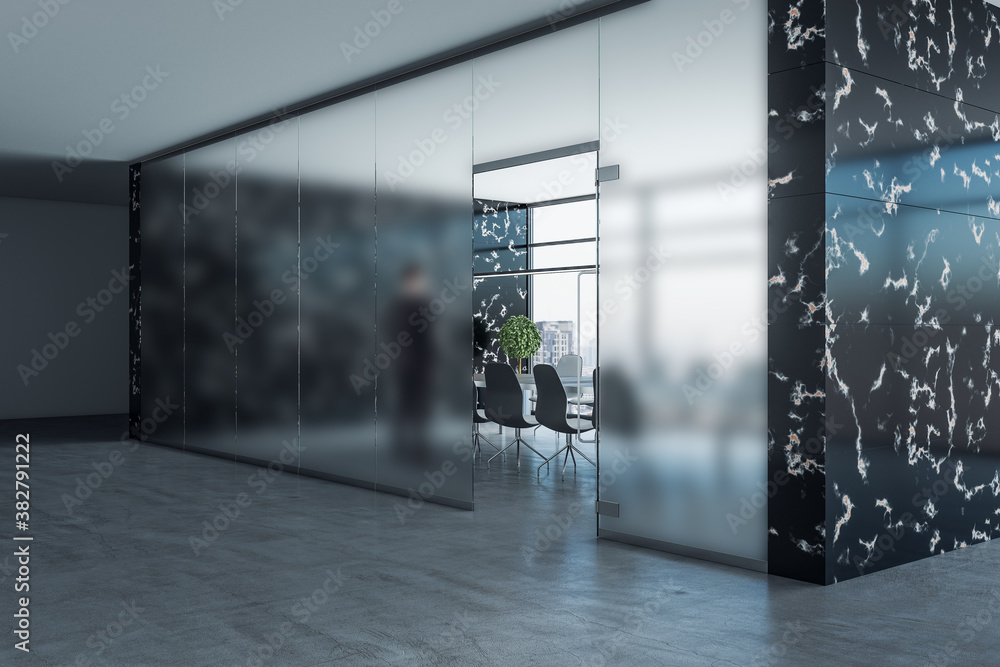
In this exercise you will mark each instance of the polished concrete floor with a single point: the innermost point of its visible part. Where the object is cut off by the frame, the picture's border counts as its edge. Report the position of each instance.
(316, 573)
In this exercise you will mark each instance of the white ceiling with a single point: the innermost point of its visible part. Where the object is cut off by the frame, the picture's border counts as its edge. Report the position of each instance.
(224, 67)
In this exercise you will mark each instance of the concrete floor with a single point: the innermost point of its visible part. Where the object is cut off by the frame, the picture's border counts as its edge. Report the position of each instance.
(317, 573)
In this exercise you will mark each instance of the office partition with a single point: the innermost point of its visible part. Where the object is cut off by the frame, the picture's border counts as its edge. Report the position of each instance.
(537, 96)
(683, 266)
(337, 266)
(162, 360)
(264, 339)
(424, 287)
(210, 302)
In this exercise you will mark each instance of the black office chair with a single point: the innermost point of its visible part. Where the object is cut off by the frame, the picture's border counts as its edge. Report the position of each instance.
(479, 417)
(592, 403)
(505, 406)
(551, 412)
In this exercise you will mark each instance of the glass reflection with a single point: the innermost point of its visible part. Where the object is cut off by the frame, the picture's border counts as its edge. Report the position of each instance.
(210, 280)
(337, 156)
(424, 291)
(264, 339)
(162, 234)
(683, 264)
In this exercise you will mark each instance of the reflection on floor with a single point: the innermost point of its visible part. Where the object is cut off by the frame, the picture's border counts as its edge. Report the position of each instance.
(160, 559)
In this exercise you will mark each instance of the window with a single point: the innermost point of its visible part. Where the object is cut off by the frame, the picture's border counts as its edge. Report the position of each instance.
(563, 239)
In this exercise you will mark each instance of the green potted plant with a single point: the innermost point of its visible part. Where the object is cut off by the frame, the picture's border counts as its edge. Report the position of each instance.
(519, 338)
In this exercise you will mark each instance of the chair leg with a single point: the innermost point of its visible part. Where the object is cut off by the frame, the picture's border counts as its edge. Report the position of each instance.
(520, 439)
(477, 436)
(545, 463)
(583, 455)
(489, 442)
(500, 453)
(571, 451)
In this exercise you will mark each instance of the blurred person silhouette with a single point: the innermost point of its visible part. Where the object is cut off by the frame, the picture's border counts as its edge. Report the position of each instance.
(412, 378)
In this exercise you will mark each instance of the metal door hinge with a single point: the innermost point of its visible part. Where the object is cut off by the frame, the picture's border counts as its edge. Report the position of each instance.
(605, 508)
(609, 173)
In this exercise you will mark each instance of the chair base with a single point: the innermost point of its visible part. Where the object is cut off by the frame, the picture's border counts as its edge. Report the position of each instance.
(570, 448)
(516, 441)
(477, 447)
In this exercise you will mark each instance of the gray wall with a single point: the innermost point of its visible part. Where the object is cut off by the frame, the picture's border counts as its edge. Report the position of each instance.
(54, 257)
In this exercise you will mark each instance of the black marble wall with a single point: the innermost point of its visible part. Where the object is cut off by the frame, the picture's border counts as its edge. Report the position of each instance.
(499, 243)
(884, 244)
(134, 300)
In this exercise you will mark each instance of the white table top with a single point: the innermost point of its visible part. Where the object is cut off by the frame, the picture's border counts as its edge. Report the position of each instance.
(526, 380)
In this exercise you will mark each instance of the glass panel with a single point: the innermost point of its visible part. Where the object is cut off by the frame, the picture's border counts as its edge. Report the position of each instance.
(537, 182)
(558, 300)
(564, 222)
(424, 288)
(210, 279)
(264, 339)
(337, 154)
(571, 254)
(537, 96)
(162, 234)
(683, 268)
(586, 323)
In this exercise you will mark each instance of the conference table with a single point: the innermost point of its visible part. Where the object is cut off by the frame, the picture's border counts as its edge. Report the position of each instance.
(527, 381)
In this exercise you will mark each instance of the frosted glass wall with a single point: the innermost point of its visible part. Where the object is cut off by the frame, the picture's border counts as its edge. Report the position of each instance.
(424, 294)
(683, 267)
(264, 339)
(337, 158)
(210, 305)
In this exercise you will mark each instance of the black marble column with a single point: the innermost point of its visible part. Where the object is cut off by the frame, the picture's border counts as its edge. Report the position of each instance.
(135, 300)
(884, 245)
